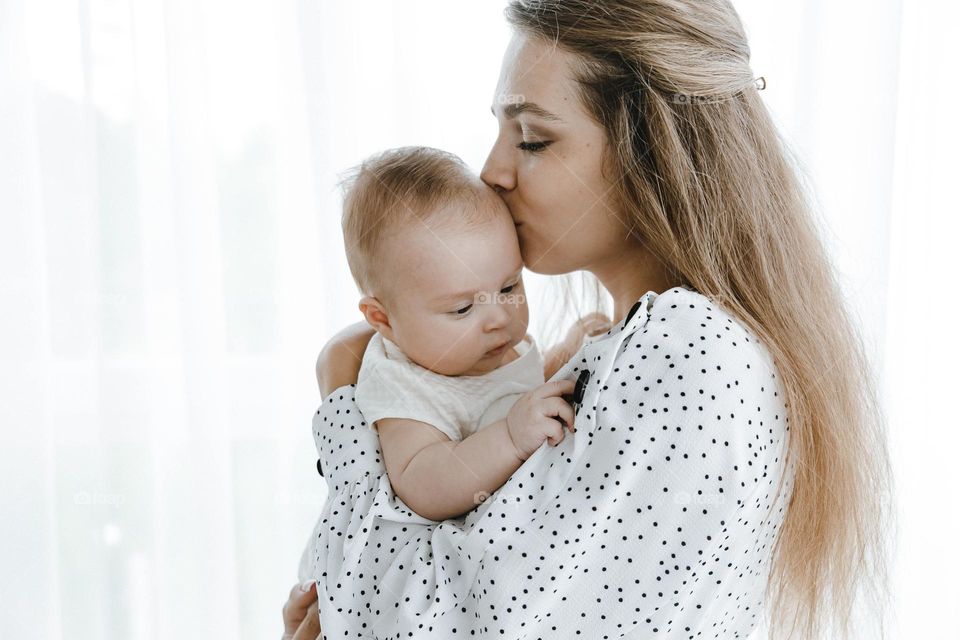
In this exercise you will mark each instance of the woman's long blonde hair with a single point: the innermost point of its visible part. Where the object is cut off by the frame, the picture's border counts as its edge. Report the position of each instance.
(715, 193)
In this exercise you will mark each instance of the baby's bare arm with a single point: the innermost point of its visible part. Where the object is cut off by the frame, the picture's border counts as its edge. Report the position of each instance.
(439, 478)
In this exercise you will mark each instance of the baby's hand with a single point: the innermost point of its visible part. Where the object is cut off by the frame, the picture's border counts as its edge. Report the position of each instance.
(531, 419)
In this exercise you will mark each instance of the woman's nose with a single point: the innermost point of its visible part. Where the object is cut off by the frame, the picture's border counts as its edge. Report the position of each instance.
(498, 171)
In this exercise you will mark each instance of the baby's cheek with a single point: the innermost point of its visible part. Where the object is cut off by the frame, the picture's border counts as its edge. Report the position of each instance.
(450, 352)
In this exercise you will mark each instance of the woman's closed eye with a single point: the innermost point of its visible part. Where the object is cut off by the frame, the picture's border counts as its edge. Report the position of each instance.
(532, 139)
(533, 147)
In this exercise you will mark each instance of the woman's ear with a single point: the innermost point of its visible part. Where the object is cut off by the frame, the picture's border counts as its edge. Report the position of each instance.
(376, 316)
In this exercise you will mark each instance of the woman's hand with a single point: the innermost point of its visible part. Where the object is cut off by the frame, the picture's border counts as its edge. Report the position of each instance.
(589, 325)
(339, 361)
(301, 620)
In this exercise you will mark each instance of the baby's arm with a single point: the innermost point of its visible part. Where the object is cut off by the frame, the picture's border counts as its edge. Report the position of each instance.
(440, 479)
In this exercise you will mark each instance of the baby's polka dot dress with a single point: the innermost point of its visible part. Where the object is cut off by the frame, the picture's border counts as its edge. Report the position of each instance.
(656, 519)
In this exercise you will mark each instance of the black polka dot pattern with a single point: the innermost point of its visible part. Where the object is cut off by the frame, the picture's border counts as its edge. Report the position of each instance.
(656, 519)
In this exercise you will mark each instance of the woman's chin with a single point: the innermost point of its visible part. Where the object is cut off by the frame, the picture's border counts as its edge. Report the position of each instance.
(539, 257)
(540, 263)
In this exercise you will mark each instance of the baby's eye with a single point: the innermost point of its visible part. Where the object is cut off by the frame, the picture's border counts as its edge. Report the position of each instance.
(507, 289)
(463, 311)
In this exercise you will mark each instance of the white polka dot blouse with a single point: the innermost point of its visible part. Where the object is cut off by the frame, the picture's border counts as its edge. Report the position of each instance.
(656, 519)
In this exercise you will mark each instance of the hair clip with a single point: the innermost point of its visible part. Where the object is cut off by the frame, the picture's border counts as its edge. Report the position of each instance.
(761, 83)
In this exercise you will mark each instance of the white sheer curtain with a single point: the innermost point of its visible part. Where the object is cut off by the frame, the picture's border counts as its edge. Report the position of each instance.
(170, 264)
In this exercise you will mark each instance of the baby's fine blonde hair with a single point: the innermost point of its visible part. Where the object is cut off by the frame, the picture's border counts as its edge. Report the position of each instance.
(395, 189)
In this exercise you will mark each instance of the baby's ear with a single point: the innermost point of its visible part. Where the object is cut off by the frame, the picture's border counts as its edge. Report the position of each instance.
(375, 313)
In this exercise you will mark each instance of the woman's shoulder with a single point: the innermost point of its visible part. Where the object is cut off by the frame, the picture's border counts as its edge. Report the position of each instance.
(690, 313)
(684, 328)
(683, 304)
(692, 366)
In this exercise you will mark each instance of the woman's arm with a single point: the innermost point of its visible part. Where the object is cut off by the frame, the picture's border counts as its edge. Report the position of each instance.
(339, 361)
(694, 461)
(338, 364)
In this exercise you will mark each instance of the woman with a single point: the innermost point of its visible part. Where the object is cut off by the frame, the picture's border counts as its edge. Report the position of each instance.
(736, 447)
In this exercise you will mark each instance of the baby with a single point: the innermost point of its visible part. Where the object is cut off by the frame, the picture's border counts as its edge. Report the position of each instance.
(451, 382)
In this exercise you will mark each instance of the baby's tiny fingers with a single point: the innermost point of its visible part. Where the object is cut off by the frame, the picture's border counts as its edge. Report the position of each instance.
(557, 388)
(562, 409)
(568, 416)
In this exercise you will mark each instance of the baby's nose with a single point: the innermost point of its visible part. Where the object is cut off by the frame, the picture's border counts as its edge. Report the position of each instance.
(498, 317)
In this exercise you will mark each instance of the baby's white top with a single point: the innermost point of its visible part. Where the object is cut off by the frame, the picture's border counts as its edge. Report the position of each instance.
(390, 385)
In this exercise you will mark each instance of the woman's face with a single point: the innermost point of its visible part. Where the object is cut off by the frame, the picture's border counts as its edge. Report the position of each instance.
(546, 163)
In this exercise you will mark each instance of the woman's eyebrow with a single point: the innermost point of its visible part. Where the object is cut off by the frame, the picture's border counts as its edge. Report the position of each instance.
(513, 109)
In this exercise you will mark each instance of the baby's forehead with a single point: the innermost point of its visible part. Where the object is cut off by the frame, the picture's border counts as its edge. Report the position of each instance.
(435, 256)
(431, 248)
(481, 215)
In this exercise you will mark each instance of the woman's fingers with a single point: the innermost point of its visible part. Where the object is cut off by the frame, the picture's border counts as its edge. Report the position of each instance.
(296, 607)
(595, 323)
(310, 627)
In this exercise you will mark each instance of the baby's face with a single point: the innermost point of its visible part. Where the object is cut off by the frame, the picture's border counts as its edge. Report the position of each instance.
(459, 293)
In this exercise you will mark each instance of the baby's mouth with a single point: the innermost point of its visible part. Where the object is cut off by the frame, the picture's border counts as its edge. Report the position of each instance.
(498, 350)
